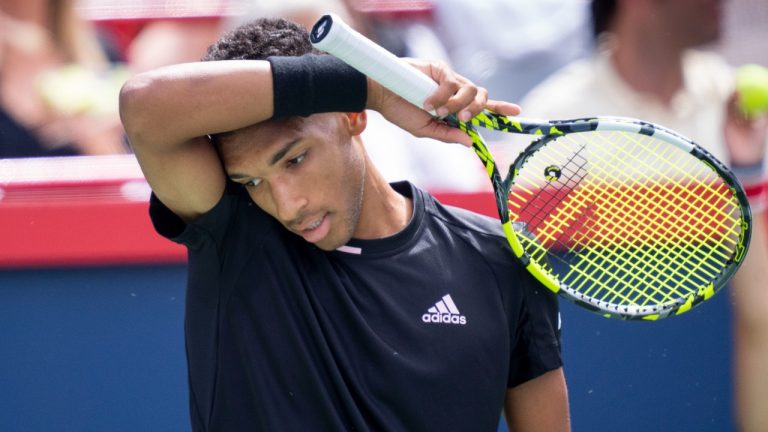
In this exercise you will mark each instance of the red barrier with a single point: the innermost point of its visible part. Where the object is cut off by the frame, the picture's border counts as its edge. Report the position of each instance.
(77, 211)
(93, 211)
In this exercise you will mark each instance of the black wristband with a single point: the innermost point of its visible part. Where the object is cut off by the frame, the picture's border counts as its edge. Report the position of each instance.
(313, 84)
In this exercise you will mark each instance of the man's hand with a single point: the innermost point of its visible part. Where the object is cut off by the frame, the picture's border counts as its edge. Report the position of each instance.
(745, 137)
(454, 95)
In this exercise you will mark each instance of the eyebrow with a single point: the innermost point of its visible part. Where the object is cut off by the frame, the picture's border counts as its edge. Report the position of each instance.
(272, 161)
(283, 151)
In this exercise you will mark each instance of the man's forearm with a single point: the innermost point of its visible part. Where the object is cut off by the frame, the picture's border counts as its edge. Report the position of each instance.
(176, 103)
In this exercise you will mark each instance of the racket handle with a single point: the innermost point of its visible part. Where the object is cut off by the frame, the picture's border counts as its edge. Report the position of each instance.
(334, 36)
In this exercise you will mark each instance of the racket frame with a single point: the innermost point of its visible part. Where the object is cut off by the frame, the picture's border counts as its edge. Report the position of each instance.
(547, 131)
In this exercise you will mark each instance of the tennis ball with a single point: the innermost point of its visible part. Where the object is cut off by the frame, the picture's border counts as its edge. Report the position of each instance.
(752, 85)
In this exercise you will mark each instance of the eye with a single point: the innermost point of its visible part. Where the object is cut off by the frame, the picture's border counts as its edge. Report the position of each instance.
(253, 183)
(297, 160)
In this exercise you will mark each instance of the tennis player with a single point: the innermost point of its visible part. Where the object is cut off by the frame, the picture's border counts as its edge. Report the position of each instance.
(320, 297)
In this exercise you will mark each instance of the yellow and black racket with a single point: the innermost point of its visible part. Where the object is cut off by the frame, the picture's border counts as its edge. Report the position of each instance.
(623, 217)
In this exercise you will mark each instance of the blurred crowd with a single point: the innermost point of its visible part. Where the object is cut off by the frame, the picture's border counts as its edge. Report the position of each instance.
(62, 63)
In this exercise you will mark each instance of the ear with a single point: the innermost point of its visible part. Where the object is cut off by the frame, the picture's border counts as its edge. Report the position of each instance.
(357, 122)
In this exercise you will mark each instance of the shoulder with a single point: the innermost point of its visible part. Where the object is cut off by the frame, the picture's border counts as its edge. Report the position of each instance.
(532, 309)
(479, 233)
(709, 61)
(708, 72)
(461, 218)
(222, 222)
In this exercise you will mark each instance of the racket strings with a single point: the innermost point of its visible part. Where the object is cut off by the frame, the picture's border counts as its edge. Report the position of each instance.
(609, 230)
(645, 266)
(592, 262)
(694, 172)
(712, 218)
(667, 195)
(596, 259)
(684, 239)
(549, 197)
(651, 265)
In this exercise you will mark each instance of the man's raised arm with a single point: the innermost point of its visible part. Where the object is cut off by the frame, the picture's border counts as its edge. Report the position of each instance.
(168, 113)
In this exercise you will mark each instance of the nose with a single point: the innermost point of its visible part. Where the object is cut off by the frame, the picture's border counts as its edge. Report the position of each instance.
(289, 200)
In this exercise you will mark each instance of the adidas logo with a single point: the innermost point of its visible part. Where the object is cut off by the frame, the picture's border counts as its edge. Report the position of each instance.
(444, 312)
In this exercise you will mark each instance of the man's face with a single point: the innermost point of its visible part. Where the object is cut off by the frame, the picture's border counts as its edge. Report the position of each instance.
(697, 22)
(306, 173)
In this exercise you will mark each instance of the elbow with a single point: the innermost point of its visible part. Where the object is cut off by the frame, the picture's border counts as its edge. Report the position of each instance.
(135, 106)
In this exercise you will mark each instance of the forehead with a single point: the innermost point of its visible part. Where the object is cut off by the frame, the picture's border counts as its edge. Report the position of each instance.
(258, 140)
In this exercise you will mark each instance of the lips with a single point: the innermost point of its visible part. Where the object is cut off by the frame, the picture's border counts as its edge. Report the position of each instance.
(315, 229)
(313, 225)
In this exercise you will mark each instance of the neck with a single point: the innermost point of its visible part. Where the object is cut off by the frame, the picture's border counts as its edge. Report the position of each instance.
(648, 60)
(384, 211)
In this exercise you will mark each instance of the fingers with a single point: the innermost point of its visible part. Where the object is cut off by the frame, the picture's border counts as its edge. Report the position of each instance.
(455, 94)
(443, 132)
(733, 111)
(735, 115)
(503, 108)
(467, 102)
(745, 136)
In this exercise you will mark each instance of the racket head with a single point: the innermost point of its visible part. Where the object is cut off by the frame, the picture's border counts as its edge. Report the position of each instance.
(625, 218)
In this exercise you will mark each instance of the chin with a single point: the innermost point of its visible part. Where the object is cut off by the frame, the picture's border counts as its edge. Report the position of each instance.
(327, 247)
(329, 243)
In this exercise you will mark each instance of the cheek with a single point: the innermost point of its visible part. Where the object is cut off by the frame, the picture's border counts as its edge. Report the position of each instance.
(263, 200)
(353, 182)
(351, 172)
(340, 175)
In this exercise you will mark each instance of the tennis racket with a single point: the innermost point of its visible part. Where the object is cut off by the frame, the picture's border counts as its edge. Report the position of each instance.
(622, 217)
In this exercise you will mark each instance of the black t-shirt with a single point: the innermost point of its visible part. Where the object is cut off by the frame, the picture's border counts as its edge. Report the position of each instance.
(421, 331)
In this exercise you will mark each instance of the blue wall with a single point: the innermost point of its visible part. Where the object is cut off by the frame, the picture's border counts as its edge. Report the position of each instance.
(101, 349)
(670, 375)
(93, 350)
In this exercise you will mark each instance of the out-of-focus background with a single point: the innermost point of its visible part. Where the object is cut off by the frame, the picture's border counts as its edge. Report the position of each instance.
(91, 299)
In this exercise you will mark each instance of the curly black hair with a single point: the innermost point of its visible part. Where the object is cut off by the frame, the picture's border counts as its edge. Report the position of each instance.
(260, 39)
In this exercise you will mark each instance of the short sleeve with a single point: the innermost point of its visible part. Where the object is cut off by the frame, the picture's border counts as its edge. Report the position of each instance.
(536, 345)
(211, 226)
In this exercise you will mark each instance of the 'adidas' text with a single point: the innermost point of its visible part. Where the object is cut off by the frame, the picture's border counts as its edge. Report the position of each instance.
(444, 312)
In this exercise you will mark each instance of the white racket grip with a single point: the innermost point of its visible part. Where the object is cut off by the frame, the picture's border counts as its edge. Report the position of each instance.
(334, 36)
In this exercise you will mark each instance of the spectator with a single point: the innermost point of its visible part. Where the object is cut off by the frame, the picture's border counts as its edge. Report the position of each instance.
(510, 46)
(58, 94)
(163, 42)
(649, 64)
